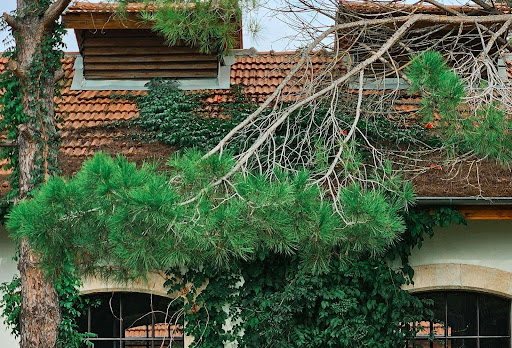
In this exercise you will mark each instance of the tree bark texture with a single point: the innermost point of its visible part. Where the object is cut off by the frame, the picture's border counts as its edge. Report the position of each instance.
(40, 312)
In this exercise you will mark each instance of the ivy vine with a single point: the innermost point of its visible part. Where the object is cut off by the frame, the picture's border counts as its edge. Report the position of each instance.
(272, 302)
(46, 60)
(174, 117)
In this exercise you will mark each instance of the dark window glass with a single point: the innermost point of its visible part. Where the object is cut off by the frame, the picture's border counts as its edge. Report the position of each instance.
(133, 320)
(494, 316)
(461, 314)
(103, 315)
(494, 342)
(466, 320)
(425, 343)
(463, 343)
(438, 327)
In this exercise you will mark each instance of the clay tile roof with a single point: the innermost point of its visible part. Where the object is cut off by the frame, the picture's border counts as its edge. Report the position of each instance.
(86, 119)
(390, 7)
(104, 7)
(86, 115)
(107, 7)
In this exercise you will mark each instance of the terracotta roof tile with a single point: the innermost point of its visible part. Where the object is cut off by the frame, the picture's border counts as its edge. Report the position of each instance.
(84, 115)
(104, 7)
(91, 110)
(389, 7)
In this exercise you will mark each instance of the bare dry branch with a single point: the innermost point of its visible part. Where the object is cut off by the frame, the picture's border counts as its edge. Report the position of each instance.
(501, 40)
(263, 137)
(463, 19)
(487, 7)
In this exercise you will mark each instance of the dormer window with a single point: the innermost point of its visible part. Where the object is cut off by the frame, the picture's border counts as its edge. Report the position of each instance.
(457, 43)
(122, 52)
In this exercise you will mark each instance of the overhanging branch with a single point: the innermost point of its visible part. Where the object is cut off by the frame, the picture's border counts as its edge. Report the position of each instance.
(487, 7)
(500, 39)
(11, 21)
(425, 18)
(7, 143)
(54, 11)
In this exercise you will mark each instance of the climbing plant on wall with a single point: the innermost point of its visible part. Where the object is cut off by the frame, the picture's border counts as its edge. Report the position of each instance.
(272, 302)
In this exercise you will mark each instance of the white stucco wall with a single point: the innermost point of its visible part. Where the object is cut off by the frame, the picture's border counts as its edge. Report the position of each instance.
(482, 243)
(7, 271)
(477, 257)
(486, 246)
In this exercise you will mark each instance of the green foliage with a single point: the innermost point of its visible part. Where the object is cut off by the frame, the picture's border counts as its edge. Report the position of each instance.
(270, 301)
(356, 304)
(213, 26)
(206, 311)
(134, 220)
(72, 306)
(441, 88)
(486, 132)
(71, 303)
(11, 304)
(173, 117)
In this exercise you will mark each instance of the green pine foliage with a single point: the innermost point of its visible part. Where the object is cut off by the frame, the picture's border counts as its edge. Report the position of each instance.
(485, 132)
(213, 26)
(489, 134)
(116, 219)
(272, 302)
(441, 88)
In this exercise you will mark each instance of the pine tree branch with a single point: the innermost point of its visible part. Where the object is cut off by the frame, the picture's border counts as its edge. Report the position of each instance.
(59, 75)
(54, 11)
(487, 7)
(12, 21)
(13, 66)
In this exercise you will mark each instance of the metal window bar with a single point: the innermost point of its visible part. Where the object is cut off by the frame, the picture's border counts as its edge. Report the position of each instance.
(153, 340)
(478, 337)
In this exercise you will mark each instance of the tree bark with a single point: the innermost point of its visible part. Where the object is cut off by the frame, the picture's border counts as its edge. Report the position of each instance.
(40, 311)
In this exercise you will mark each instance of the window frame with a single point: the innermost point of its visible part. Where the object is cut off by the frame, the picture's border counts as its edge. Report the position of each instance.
(446, 337)
(150, 341)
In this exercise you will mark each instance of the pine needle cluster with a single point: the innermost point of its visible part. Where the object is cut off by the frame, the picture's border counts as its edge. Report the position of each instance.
(212, 26)
(485, 131)
(119, 220)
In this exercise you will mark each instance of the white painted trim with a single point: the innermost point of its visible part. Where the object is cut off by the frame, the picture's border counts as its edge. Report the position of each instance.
(222, 81)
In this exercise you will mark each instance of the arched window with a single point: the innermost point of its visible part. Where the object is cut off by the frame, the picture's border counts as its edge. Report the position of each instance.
(133, 320)
(465, 320)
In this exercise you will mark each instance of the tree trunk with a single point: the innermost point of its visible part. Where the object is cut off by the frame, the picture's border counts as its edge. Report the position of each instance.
(40, 312)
